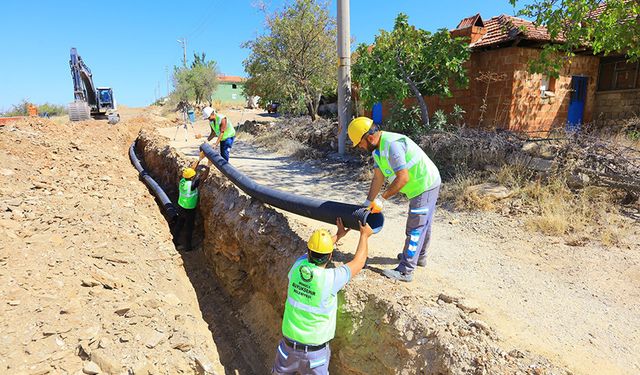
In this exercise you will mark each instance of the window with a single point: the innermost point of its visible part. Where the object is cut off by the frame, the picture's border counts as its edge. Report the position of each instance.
(547, 86)
(234, 86)
(617, 74)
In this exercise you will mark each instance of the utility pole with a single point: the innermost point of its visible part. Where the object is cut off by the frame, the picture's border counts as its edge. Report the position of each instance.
(344, 73)
(166, 69)
(183, 41)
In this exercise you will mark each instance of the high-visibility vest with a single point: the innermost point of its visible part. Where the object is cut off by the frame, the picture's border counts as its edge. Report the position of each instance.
(423, 174)
(310, 310)
(188, 198)
(215, 125)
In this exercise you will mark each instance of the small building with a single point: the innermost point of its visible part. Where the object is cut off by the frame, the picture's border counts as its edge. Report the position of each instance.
(229, 91)
(503, 94)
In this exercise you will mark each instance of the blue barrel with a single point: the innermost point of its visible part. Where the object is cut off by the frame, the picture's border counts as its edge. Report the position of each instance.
(376, 113)
(192, 115)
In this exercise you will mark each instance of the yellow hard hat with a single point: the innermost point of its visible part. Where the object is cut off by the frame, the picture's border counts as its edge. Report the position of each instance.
(188, 173)
(321, 242)
(358, 127)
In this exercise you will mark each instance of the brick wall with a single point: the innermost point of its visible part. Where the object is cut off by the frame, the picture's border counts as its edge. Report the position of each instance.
(531, 112)
(616, 105)
(516, 101)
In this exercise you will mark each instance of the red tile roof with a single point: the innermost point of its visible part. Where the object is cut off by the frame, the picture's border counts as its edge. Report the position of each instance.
(506, 28)
(231, 79)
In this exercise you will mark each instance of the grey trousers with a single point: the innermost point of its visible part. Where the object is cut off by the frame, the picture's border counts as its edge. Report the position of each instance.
(289, 361)
(418, 230)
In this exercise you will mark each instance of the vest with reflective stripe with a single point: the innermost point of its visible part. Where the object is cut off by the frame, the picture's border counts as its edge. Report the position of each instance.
(310, 310)
(188, 198)
(423, 174)
(215, 125)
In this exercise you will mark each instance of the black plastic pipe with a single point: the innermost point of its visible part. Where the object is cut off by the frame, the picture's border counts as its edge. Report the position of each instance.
(169, 208)
(323, 210)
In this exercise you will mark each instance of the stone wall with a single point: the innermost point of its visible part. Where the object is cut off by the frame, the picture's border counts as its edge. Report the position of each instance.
(616, 105)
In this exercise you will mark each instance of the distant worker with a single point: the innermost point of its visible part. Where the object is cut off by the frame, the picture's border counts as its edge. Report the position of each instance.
(188, 200)
(222, 128)
(309, 321)
(409, 171)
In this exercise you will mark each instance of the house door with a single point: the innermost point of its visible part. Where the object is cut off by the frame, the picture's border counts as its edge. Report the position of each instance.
(576, 103)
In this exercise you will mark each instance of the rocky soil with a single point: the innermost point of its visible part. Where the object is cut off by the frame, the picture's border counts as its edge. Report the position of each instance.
(91, 282)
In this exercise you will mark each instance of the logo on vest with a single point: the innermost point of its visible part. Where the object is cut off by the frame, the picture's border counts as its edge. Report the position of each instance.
(306, 274)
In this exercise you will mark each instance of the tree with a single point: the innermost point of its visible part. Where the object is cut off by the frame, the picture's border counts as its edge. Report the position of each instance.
(196, 83)
(296, 59)
(410, 61)
(606, 27)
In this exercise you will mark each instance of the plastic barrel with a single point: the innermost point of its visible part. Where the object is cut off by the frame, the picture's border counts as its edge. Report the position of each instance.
(192, 115)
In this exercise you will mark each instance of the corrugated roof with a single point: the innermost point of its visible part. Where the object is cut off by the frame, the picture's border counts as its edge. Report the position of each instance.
(506, 28)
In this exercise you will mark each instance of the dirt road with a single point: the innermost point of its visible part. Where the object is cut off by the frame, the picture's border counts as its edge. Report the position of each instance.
(579, 306)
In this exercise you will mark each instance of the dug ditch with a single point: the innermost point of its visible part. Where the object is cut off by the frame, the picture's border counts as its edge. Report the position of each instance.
(240, 279)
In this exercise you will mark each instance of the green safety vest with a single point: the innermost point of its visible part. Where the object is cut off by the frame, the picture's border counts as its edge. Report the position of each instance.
(188, 198)
(310, 310)
(215, 125)
(423, 174)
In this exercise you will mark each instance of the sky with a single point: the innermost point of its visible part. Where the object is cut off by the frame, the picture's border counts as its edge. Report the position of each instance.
(129, 45)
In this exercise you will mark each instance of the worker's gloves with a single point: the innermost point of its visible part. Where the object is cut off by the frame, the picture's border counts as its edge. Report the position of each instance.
(376, 206)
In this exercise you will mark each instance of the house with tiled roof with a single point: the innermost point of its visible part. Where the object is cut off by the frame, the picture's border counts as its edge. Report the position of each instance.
(229, 91)
(503, 94)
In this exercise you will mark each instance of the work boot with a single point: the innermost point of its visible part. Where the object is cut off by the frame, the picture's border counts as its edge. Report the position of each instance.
(394, 274)
(422, 262)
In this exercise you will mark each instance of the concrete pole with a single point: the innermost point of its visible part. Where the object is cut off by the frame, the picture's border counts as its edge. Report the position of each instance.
(344, 73)
(183, 41)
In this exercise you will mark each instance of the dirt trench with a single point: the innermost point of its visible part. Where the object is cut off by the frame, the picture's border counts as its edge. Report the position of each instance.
(381, 329)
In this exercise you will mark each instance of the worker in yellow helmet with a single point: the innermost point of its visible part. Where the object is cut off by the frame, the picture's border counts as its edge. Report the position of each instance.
(188, 200)
(409, 170)
(309, 321)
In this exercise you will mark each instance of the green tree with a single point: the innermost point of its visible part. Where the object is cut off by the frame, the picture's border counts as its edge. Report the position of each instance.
(611, 26)
(196, 83)
(296, 59)
(410, 61)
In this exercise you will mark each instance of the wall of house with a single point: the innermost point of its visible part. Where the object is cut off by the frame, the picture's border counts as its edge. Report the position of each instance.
(226, 94)
(511, 99)
(530, 111)
(616, 105)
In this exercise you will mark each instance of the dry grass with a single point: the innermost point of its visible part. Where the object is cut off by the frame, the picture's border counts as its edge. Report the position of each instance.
(456, 191)
(275, 142)
(551, 206)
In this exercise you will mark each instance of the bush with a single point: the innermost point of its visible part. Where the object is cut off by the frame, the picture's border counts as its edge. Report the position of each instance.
(20, 109)
(404, 120)
(52, 109)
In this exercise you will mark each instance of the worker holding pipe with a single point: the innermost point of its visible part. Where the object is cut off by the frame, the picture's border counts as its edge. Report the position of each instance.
(409, 170)
(309, 321)
(188, 200)
(222, 128)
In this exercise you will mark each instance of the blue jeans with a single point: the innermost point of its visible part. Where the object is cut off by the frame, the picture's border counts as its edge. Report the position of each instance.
(225, 147)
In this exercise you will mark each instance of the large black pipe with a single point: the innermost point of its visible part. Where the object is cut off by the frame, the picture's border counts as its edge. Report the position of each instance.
(169, 208)
(323, 210)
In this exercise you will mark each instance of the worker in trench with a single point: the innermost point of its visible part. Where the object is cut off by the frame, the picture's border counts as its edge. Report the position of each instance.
(188, 200)
(309, 321)
(222, 128)
(409, 170)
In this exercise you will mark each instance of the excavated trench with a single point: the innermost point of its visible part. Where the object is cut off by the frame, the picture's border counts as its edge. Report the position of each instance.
(241, 280)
